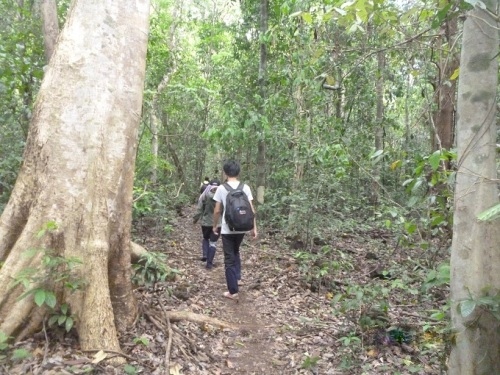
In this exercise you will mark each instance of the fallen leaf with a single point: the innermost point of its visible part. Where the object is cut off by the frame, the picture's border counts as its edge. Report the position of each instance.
(99, 356)
(175, 369)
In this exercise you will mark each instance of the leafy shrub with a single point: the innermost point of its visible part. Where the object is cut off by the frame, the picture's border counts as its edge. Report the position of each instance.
(151, 268)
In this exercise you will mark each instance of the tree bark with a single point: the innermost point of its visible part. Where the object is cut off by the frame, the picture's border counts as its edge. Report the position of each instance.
(475, 259)
(379, 125)
(261, 146)
(444, 117)
(50, 26)
(78, 172)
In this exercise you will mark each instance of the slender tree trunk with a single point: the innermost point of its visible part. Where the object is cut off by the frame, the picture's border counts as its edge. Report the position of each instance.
(78, 173)
(50, 26)
(154, 143)
(261, 147)
(444, 116)
(379, 124)
(475, 257)
(156, 110)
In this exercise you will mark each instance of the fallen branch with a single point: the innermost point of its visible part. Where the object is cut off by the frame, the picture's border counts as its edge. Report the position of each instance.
(169, 346)
(170, 334)
(176, 316)
(137, 251)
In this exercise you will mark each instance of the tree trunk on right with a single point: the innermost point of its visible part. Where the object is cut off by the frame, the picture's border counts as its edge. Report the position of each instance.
(475, 257)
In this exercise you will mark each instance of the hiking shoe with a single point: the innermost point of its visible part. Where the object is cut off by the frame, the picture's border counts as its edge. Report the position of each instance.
(231, 296)
(203, 259)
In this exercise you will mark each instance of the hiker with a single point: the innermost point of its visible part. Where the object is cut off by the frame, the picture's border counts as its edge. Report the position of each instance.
(205, 213)
(204, 184)
(231, 239)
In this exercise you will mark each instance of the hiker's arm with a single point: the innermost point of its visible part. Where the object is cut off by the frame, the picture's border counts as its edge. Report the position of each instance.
(254, 230)
(217, 213)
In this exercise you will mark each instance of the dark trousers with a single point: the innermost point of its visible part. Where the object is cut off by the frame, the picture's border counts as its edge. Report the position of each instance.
(208, 245)
(232, 261)
(208, 234)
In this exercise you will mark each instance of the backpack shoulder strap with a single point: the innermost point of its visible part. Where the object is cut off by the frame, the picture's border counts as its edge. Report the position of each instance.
(228, 187)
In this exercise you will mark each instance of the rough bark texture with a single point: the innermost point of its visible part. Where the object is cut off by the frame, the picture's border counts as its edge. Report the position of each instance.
(444, 118)
(475, 259)
(78, 172)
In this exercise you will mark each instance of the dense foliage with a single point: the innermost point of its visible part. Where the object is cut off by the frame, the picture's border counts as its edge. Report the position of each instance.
(347, 118)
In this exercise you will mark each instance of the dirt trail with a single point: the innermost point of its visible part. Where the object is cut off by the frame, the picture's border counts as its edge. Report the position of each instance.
(279, 322)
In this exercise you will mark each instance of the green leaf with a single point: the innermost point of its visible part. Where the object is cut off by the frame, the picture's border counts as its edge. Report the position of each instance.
(69, 324)
(490, 214)
(410, 227)
(437, 220)
(434, 160)
(477, 3)
(50, 299)
(20, 354)
(53, 319)
(61, 319)
(455, 74)
(129, 370)
(441, 16)
(377, 153)
(40, 297)
(467, 307)
(307, 17)
(64, 308)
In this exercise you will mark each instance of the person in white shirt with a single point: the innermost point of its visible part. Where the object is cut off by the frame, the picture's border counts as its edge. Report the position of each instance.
(231, 240)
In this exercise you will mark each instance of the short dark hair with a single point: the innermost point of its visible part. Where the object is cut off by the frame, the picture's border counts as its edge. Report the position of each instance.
(231, 168)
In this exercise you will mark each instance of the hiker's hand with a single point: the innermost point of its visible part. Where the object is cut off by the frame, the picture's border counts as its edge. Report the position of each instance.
(254, 233)
(215, 230)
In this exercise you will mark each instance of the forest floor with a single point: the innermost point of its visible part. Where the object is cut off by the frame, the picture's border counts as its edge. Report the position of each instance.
(351, 304)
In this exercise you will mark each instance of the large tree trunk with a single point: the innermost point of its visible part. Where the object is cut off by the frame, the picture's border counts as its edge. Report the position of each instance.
(78, 172)
(475, 257)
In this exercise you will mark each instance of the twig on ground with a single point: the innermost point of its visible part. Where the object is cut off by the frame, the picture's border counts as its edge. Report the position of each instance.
(169, 347)
(46, 351)
(120, 354)
(422, 318)
(170, 334)
(185, 338)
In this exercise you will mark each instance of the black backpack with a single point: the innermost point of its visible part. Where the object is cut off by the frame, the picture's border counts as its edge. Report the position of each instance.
(239, 215)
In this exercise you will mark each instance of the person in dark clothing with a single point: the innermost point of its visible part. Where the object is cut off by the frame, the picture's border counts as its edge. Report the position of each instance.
(205, 214)
(204, 184)
(231, 240)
